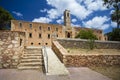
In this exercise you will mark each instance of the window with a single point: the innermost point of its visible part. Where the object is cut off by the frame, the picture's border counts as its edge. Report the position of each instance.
(40, 35)
(30, 35)
(30, 25)
(48, 28)
(67, 14)
(39, 43)
(31, 43)
(20, 42)
(20, 24)
(39, 27)
(99, 38)
(56, 29)
(57, 35)
(46, 43)
(48, 36)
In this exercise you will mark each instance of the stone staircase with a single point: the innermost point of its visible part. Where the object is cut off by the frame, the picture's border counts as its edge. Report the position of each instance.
(31, 59)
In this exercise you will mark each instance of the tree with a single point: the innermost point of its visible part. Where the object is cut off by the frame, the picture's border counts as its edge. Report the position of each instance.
(5, 18)
(86, 34)
(115, 16)
(114, 35)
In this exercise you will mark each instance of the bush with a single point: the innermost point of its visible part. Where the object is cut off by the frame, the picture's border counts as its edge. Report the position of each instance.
(86, 34)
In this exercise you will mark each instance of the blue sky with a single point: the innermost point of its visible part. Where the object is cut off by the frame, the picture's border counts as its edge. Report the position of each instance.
(84, 13)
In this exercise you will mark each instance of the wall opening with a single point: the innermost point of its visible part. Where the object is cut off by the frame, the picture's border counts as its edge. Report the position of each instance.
(31, 43)
(68, 35)
(46, 43)
(20, 42)
(48, 36)
(39, 43)
(30, 35)
(40, 35)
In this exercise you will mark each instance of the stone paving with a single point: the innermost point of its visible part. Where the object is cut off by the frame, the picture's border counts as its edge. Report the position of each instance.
(55, 67)
(81, 73)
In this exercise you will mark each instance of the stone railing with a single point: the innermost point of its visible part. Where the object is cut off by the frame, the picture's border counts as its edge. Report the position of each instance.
(11, 48)
(80, 43)
(76, 60)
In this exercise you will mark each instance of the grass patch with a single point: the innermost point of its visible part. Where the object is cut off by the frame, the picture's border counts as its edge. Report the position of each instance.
(112, 72)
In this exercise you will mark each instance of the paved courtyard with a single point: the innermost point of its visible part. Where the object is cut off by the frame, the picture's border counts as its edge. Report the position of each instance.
(81, 73)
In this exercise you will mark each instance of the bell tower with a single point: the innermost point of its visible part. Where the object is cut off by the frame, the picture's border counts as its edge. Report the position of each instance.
(67, 21)
(67, 25)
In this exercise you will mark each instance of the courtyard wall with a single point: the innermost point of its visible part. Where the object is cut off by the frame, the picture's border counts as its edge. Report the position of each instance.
(11, 48)
(81, 43)
(78, 60)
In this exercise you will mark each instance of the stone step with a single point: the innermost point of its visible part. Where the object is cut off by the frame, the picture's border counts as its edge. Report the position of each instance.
(32, 54)
(33, 49)
(31, 64)
(30, 67)
(31, 60)
(31, 57)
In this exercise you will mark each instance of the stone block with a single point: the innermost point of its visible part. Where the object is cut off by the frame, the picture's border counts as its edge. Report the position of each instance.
(10, 46)
(6, 65)
(17, 38)
(15, 57)
(6, 51)
(16, 45)
(14, 41)
(1, 42)
(14, 64)
(9, 38)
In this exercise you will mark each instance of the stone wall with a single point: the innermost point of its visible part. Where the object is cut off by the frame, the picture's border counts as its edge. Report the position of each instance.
(77, 60)
(92, 60)
(80, 43)
(11, 48)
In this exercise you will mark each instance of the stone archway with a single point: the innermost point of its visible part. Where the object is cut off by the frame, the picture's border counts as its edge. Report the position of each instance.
(68, 35)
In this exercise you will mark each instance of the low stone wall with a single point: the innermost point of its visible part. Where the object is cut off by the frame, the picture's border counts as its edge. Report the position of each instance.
(59, 50)
(77, 60)
(92, 60)
(80, 43)
(11, 48)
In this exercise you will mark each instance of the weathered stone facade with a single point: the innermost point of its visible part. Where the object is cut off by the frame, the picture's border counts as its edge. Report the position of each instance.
(11, 48)
(77, 60)
(39, 34)
(80, 43)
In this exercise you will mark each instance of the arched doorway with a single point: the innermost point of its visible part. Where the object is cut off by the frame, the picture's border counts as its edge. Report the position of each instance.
(68, 35)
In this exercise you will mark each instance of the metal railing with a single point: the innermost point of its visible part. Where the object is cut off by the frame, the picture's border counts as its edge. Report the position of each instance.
(45, 57)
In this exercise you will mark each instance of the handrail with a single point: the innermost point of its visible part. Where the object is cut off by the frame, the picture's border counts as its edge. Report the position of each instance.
(45, 56)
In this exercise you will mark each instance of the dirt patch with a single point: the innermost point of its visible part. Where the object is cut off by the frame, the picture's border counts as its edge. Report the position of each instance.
(110, 71)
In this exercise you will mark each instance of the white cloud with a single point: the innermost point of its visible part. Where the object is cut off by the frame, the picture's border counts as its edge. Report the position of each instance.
(17, 14)
(60, 21)
(81, 9)
(53, 13)
(74, 20)
(75, 25)
(111, 11)
(113, 24)
(44, 10)
(97, 23)
(42, 19)
(94, 5)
